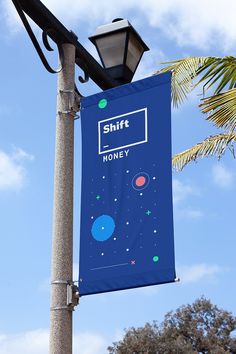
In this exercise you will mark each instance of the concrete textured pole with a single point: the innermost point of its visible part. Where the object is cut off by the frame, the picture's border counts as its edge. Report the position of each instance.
(62, 244)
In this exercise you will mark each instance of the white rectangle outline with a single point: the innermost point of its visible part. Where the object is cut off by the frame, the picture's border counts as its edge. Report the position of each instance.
(121, 147)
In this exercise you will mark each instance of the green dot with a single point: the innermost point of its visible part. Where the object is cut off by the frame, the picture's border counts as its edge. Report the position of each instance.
(155, 259)
(102, 103)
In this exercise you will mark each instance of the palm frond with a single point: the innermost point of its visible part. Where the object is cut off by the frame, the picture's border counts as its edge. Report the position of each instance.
(221, 71)
(183, 72)
(221, 109)
(213, 145)
(218, 71)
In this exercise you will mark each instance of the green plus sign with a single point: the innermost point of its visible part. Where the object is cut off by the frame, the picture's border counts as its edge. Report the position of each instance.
(98, 197)
(148, 212)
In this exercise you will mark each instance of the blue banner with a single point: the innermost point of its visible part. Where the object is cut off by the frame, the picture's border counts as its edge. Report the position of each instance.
(126, 236)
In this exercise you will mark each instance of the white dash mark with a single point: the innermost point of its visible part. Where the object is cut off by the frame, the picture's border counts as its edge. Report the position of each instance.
(111, 266)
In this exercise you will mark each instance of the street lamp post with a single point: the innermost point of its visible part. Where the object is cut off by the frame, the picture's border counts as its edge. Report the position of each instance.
(120, 49)
(62, 243)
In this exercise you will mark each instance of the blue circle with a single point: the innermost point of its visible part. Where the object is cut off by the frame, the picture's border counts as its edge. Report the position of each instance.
(103, 228)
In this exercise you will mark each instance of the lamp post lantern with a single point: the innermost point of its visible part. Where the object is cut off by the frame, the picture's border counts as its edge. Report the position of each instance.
(120, 49)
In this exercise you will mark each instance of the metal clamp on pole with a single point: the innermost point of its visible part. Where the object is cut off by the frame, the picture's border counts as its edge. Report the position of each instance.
(59, 282)
(72, 295)
(68, 97)
(72, 100)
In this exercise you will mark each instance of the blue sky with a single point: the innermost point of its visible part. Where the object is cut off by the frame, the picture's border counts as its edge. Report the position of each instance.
(204, 208)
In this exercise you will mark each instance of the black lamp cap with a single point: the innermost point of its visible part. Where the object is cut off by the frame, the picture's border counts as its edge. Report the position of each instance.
(117, 25)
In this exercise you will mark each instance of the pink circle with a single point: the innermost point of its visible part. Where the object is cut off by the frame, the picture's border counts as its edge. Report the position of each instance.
(140, 181)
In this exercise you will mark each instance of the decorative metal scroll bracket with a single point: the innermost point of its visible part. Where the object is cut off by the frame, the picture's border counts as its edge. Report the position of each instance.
(82, 79)
(84, 68)
(45, 33)
(36, 43)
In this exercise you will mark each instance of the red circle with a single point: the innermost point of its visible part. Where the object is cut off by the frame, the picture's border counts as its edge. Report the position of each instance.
(140, 181)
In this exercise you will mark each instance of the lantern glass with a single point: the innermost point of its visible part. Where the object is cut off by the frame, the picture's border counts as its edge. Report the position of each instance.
(135, 51)
(112, 49)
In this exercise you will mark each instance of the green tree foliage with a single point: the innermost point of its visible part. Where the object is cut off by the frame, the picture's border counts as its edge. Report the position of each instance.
(219, 75)
(192, 329)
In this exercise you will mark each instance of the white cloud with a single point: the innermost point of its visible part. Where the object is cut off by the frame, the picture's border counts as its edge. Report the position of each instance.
(90, 343)
(20, 155)
(196, 23)
(181, 191)
(222, 177)
(181, 195)
(32, 342)
(12, 171)
(149, 290)
(198, 272)
(37, 342)
(10, 16)
(193, 213)
(188, 213)
(200, 24)
(5, 110)
(149, 63)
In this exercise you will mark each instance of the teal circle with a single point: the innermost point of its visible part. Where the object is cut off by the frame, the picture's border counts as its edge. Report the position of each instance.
(155, 259)
(102, 103)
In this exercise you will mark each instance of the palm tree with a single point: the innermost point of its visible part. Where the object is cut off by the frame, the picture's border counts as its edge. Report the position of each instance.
(220, 75)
